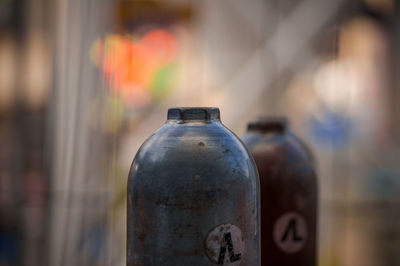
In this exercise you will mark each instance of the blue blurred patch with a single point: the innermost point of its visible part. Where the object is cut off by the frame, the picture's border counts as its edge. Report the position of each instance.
(331, 129)
(94, 242)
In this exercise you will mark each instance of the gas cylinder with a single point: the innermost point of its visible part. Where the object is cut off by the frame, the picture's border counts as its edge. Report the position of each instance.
(288, 187)
(193, 195)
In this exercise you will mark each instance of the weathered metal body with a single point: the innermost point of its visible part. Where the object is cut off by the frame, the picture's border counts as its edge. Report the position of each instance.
(288, 187)
(193, 195)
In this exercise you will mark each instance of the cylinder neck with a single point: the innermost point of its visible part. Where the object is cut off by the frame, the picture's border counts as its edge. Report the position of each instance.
(265, 125)
(199, 114)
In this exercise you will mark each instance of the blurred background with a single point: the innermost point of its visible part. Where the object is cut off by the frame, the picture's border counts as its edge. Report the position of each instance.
(84, 82)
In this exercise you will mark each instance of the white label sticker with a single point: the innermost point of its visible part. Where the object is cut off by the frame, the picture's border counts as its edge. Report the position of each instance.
(225, 245)
(290, 232)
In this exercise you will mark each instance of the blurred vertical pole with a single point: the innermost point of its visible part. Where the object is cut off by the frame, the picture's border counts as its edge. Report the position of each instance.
(58, 196)
(274, 90)
(65, 106)
(34, 89)
(396, 122)
(396, 70)
(79, 191)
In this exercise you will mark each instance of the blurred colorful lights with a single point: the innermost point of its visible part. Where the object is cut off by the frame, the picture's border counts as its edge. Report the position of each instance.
(139, 70)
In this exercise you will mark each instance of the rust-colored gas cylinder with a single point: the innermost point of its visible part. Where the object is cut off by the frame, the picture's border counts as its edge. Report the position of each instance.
(288, 193)
(193, 195)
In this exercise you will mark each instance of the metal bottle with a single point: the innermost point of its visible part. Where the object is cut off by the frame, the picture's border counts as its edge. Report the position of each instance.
(193, 195)
(288, 187)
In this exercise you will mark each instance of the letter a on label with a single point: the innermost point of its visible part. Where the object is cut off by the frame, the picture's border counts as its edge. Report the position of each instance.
(225, 245)
(290, 232)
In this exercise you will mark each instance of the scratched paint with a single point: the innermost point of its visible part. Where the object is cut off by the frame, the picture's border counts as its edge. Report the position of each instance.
(191, 176)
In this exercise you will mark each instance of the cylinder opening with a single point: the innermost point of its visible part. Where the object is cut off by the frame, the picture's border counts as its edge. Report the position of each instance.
(268, 124)
(193, 113)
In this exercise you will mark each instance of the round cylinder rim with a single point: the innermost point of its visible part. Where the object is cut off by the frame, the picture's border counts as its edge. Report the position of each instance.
(193, 113)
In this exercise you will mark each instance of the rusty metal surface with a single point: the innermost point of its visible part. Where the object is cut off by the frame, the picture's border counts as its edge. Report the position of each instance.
(288, 187)
(193, 195)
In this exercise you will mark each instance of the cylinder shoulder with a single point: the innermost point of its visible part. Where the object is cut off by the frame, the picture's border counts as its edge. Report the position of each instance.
(193, 145)
(286, 144)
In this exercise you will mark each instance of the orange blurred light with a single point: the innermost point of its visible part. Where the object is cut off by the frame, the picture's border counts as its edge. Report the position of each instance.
(162, 45)
(129, 65)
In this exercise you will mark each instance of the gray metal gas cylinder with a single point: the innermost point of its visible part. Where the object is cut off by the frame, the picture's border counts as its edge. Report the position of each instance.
(193, 195)
(288, 194)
